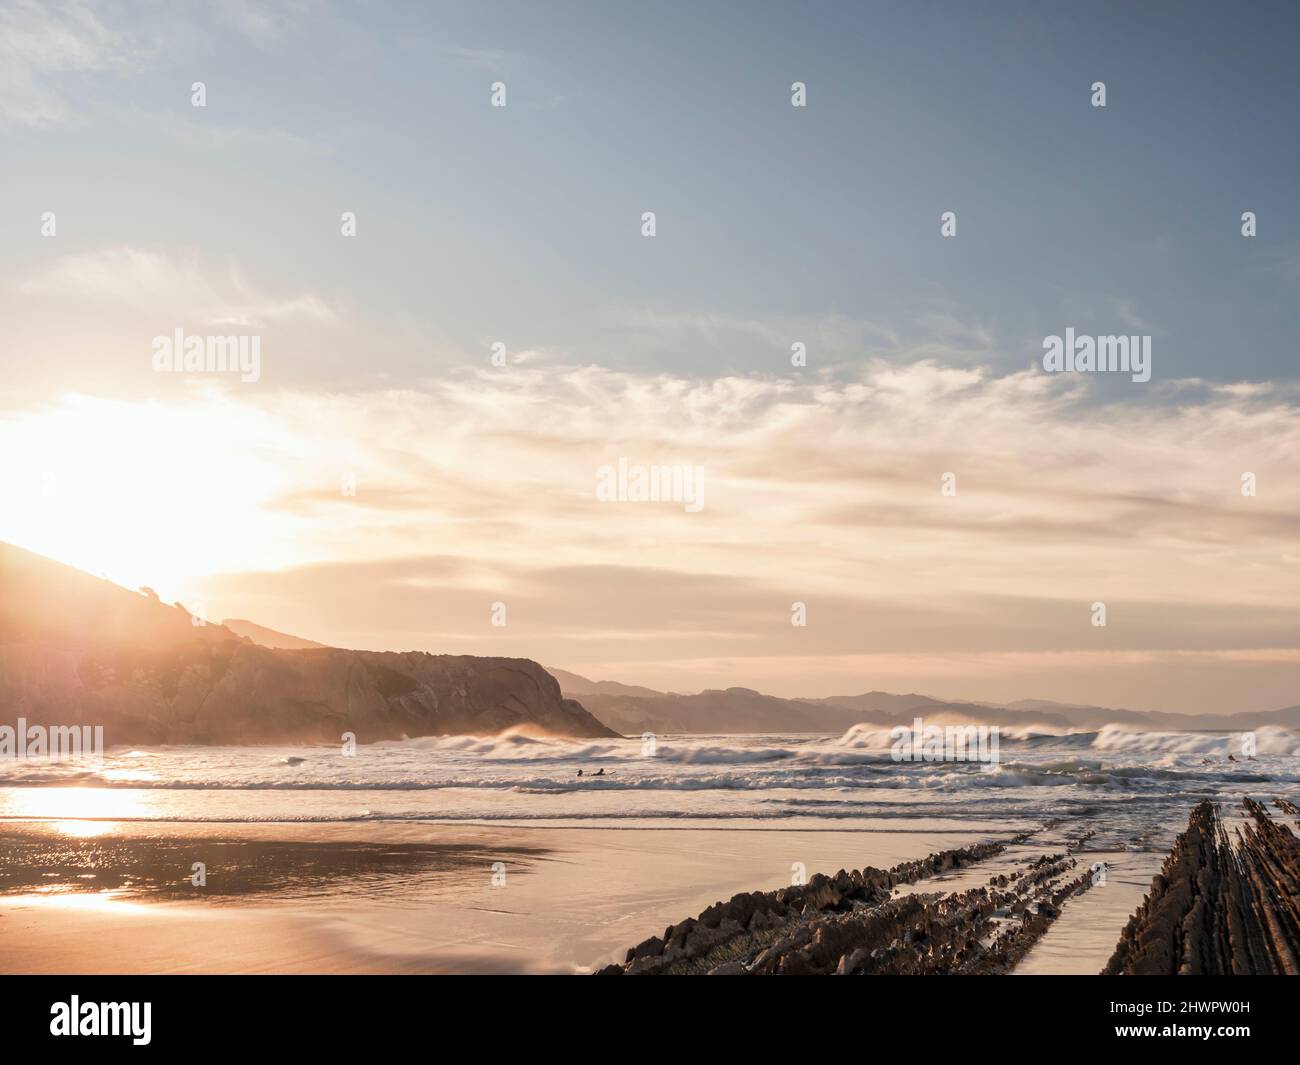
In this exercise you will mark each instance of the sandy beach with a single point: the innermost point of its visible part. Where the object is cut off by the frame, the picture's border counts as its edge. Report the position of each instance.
(571, 901)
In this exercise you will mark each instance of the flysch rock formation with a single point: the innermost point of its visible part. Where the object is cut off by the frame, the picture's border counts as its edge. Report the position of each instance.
(1223, 904)
(870, 921)
(77, 650)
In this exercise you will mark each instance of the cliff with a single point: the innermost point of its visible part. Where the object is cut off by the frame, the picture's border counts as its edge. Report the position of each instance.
(78, 650)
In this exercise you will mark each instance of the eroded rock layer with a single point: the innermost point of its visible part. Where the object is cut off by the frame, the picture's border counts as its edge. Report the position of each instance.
(869, 921)
(1222, 904)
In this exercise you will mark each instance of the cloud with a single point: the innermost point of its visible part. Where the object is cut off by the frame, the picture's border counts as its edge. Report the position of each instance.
(41, 45)
(52, 57)
(172, 286)
(263, 23)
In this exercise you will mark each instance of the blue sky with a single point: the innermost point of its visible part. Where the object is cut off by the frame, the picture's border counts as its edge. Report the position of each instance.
(522, 223)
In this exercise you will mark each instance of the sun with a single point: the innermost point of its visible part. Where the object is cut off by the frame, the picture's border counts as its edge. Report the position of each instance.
(144, 493)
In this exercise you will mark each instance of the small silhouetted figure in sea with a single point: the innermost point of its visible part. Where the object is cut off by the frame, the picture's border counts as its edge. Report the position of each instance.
(600, 772)
(1232, 758)
(579, 772)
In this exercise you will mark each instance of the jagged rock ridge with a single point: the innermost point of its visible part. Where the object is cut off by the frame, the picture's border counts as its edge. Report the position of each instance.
(1220, 905)
(862, 922)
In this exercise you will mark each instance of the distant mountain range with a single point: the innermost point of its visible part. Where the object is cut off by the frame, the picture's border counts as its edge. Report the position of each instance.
(78, 650)
(631, 710)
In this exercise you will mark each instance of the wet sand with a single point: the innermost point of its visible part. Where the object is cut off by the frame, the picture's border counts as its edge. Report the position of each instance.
(1082, 940)
(116, 897)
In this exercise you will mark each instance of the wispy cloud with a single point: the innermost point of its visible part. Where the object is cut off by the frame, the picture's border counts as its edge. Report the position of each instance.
(44, 48)
(179, 286)
(262, 22)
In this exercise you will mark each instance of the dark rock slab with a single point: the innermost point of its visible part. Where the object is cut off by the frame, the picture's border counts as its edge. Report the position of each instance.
(1220, 905)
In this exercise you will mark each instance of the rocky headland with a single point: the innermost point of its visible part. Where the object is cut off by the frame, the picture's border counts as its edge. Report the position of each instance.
(77, 650)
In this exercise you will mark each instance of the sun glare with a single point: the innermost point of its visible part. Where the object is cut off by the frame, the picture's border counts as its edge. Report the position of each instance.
(82, 812)
(141, 493)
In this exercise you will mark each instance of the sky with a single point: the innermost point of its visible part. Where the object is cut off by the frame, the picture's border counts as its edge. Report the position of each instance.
(384, 484)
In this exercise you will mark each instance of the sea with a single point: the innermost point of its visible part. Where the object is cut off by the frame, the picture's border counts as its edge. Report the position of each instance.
(1133, 789)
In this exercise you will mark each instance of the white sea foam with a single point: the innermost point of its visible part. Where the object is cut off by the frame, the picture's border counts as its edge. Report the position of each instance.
(1268, 739)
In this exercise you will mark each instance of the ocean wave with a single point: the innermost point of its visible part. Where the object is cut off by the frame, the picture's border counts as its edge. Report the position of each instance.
(881, 737)
(1267, 740)
(723, 755)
